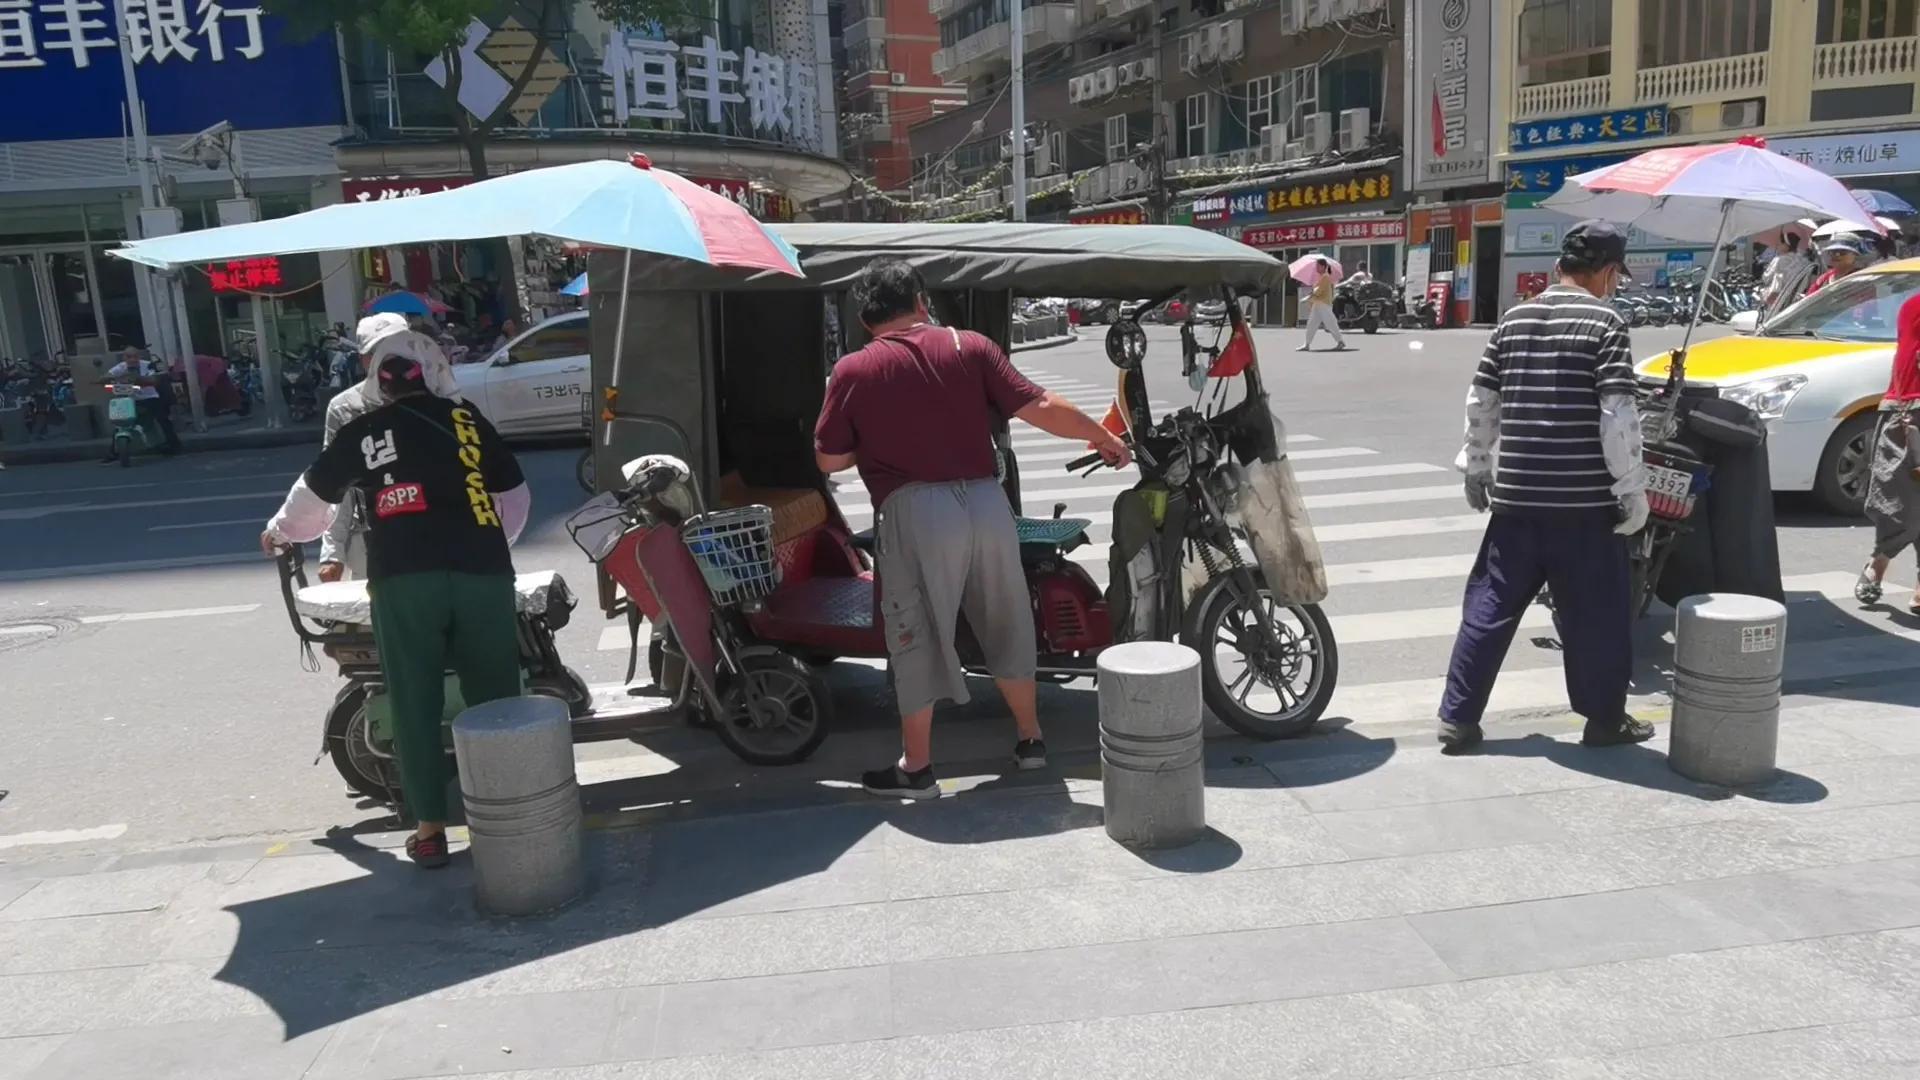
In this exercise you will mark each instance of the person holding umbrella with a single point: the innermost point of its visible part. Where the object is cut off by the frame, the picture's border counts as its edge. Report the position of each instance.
(1566, 486)
(1319, 273)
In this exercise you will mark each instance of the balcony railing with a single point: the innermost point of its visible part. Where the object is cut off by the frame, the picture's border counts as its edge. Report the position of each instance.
(1704, 80)
(1046, 25)
(1865, 63)
(1561, 98)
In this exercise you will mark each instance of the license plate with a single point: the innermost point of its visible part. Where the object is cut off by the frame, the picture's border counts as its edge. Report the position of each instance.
(1670, 482)
(121, 409)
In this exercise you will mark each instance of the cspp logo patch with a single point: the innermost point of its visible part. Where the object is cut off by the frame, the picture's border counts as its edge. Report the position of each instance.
(400, 499)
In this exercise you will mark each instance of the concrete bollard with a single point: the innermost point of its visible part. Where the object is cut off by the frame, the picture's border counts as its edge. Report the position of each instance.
(1727, 655)
(522, 803)
(1150, 744)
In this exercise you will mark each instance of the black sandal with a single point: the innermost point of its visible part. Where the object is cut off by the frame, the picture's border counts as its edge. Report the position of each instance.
(428, 852)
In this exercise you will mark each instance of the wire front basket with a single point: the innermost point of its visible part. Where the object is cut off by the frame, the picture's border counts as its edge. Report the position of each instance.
(734, 549)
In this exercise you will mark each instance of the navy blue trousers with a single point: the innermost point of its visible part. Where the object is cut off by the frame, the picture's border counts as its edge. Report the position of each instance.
(1585, 564)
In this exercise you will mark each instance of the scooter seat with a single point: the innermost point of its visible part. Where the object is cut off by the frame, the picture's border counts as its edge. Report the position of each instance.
(536, 593)
(831, 615)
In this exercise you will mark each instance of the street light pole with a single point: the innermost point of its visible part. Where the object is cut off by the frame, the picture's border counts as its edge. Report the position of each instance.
(1157, 201)
(1018, 42)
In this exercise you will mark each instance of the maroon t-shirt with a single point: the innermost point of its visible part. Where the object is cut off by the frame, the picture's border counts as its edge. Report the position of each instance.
(916, 409)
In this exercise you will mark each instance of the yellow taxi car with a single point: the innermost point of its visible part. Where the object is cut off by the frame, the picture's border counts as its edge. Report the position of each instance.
(1815, 373)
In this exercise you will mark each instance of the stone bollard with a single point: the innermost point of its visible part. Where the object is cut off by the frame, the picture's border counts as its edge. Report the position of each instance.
(1150, 744)
(1727, 654)
(522, 803)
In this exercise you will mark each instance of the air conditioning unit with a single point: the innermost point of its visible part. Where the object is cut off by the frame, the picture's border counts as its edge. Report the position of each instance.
(1319, 12)
(1273, 143)
(1293, 16)
(1241, 159)
(1207, 49)
(1319, 133)
(1230, 40)
(1078, 88)
(1104, 82)
(1735, 115)
(1343, 9)
(899, 78)
(1137, 71)
(1356, 129)
(1295, 151)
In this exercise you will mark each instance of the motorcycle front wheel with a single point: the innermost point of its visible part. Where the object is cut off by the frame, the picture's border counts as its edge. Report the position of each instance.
(794, 710)
(1262, 691)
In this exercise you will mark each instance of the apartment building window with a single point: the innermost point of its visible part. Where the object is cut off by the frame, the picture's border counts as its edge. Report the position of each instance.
(1687, 31)
(1296, 96)
(1354, 82)
(1865, 20)
(1259, 96)
(1117, 138)
(1563, 40)
(1194, 132)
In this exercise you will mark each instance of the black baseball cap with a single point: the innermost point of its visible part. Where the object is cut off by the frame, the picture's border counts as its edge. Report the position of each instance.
(1597, 244)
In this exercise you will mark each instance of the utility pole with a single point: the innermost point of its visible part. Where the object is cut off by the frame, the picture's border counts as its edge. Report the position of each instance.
(1159, 206)
(1018, 42)
(157, 219)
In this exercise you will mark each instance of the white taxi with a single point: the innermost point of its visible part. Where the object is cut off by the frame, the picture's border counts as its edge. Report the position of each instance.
(1815, 373)
(535, 383)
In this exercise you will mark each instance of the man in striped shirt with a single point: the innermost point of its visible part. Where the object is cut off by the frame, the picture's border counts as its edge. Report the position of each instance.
(1553, 450)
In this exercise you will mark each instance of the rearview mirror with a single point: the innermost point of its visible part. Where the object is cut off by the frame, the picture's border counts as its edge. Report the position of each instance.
(1744, 322)
(1126, 345)
(503, 359)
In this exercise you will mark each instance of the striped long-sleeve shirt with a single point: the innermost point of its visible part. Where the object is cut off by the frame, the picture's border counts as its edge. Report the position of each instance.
(1550, 360)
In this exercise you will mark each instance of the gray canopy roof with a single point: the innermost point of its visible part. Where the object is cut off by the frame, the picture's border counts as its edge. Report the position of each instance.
(1115, 261)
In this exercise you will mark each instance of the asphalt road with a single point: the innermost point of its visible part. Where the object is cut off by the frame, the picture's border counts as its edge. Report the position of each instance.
(155, 695)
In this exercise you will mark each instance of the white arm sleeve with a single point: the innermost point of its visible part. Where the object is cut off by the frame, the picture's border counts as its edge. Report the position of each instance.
(513, 507)
(1620, 443)
(303, 517)
(333, 543)
(1483, 432)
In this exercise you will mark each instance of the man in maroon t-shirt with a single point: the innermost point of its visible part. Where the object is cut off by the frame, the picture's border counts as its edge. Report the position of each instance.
(915, 410)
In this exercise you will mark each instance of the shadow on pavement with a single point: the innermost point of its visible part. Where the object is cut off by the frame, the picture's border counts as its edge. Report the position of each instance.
(1648, 768)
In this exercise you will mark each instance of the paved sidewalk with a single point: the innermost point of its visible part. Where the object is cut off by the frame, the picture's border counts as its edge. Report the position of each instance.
(1363, 908)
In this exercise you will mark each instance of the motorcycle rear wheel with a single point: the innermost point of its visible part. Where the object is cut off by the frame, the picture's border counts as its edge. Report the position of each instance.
(798, 710)
(1299, 677)
(366, 773)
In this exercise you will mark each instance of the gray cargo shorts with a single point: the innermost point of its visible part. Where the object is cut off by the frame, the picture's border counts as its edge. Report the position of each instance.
(944, 549)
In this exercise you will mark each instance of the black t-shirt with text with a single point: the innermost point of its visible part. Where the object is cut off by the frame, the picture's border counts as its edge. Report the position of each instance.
(426, 466)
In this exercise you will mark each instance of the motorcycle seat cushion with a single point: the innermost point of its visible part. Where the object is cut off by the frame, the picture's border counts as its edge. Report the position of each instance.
(346, 601)
(796, 511)
(831, 614)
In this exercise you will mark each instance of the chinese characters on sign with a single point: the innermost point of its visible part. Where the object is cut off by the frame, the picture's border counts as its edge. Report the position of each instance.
(246, 275)
(1453, 80)
(762, 204)
(1865, 154)
(1547, 177)
(32, 32)
(1131, 215)
(1610, 127)
(1325, 232)
(662, 80)
(1366, 187)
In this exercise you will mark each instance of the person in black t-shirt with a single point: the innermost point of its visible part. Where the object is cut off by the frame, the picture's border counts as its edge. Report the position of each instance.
(445, 498)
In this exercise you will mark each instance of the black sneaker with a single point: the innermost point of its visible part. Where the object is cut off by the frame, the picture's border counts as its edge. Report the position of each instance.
(1619, 733)
(1459, 738)
(894, 782)
(1030, 754)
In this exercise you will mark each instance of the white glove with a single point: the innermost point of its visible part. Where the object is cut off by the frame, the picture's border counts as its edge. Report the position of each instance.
(1635, 507)
(1480, 491)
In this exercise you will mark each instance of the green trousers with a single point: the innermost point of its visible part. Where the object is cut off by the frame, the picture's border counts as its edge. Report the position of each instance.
(426, 624)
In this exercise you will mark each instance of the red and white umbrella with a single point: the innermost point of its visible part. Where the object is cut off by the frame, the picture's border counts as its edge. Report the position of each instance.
(1710, 193)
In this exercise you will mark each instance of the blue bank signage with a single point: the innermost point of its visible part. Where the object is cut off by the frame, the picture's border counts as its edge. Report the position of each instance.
(197, 62)
(1623, 125)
